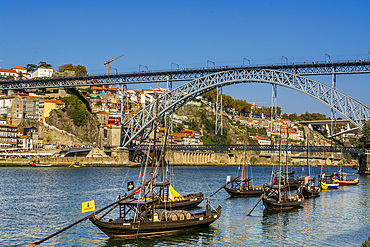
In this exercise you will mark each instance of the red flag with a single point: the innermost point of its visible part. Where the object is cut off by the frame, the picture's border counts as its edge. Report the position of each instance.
(141, 174)
(303, 169)
(240, 175)
(322, 168)
(137, 191)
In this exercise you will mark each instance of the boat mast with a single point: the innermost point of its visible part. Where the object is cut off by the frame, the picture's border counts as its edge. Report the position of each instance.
(308, 139)
(325, 157)
(245, 156)
(279, 174)
(153, 154)
(286, 155)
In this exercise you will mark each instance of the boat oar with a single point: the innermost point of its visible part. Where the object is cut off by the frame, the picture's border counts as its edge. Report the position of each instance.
(223, 186)
(256, 204)
(83, 219)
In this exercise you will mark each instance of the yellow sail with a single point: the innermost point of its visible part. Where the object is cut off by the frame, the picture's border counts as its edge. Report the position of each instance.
(173, 193)
(324, 186)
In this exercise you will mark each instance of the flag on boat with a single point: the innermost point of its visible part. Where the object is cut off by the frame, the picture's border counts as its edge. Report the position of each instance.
(141, 174)
(130, 185)
(168, 170)
(173, 193)
(88, 206)
(306, 178)
(137, 191)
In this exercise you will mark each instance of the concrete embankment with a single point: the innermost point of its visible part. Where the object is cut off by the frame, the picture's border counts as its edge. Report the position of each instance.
(121, 158)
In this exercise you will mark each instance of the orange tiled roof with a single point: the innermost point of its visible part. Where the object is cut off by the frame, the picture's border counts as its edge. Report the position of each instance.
(8, 70)
(18, 67)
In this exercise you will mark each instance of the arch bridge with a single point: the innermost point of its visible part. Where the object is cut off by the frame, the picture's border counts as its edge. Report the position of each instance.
(141, 124)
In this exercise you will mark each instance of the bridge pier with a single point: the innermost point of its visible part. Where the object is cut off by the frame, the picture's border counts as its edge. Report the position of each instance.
(364, 164)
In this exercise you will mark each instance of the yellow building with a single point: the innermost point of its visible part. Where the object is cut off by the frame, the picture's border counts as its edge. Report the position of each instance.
(46, 106)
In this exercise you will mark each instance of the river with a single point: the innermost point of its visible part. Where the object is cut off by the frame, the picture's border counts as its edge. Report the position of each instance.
(36, 202)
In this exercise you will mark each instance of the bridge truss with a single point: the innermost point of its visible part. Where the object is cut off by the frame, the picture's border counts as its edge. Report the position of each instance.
(140, 125)
(354, 67)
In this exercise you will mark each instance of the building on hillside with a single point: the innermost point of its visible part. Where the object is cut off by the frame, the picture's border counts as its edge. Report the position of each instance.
(17, 72)
(186, 137)
(109, 137)
(42, 72)
(30, 139)
(103, 117)
(8, 72)
(8, 136)
(46, 106)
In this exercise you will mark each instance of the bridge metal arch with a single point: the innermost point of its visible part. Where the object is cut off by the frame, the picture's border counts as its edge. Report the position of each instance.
(141, 124)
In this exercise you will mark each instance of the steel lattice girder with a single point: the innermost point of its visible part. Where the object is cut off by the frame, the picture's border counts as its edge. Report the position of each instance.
(141, 124)
(184, 75)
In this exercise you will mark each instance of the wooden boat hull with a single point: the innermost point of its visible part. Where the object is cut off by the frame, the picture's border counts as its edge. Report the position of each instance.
(272, 204)
(149, 228)
(189, 201)
(347, 182)
(248, 192)
(40, 165)
(311, 191)
(333, 186)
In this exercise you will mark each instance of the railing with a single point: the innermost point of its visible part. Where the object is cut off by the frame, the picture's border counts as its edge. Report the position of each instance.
(240, 147)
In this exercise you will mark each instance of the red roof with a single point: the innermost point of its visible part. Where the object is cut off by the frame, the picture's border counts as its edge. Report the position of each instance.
(18, 67)
(8, 70)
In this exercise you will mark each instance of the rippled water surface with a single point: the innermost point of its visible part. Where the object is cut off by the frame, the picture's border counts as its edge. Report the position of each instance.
(36, 202)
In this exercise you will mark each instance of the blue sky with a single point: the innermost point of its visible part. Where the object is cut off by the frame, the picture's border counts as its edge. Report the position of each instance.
(156, 33)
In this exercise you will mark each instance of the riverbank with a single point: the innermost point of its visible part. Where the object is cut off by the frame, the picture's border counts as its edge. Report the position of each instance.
(120, 158)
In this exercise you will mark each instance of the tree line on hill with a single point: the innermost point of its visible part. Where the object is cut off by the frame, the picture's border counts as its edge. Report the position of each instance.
(245, 108)
(79, 70)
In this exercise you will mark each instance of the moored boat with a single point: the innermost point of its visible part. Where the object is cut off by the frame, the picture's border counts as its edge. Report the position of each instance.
(242, 188)
(278, 195)
(38, 164)
(152, 212)
(309, 189)
(342, 180)
(148, 221)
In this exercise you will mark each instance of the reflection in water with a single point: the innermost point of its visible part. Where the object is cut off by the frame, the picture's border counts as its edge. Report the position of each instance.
(276, 224)
(201, 236)
(35, 203)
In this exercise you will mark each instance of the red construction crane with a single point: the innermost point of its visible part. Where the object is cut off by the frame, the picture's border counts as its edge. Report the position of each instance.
(109, 61)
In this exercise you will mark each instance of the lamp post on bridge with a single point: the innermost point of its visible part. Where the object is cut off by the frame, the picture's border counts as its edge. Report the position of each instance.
(282, 60)
(249, 62)
(115, 69)
(209, 61)
(178, 66)
(327, 55)
(143, 66)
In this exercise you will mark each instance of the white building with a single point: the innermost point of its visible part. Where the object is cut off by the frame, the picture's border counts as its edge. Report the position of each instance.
(41, 72)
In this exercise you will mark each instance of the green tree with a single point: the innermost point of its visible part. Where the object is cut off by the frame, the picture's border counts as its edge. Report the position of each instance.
(44, 64)
(79, 112)
(253, 160)
(80, 70)
(31, 67)
(364, 141)
(48, 138)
